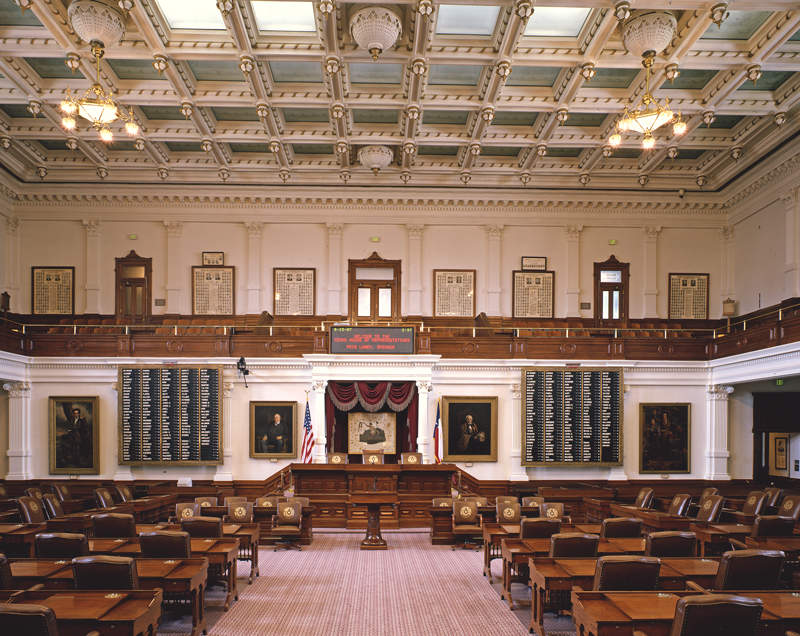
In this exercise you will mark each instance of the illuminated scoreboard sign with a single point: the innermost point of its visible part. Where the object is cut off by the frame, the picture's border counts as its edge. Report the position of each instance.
(372, 340)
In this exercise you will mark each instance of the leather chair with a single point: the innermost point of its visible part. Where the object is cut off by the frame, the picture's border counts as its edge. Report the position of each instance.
(185, 511)
(124, 493)
(621, 527)
(239, 512)
(774, 496)
(442, 502)
(751, 508)
(337, 458)
(626, 573)
(749, 570)
(372, 457)
(574, 544)
(538, 528)
(552, 510)
(205, 502)
(105, 573)
(679, 505)
(530, 502)
(166, 544)
(34, 492)
(671, 544)
(411, 458)
(644, 499)
(305, 502)
(5, 573)
(104, 498)
(508, 512)
(29, 619)
(113, 525)
(708, 614)
(30, 510)
(790, 507)
(479, 501)
(707, 492)
(268, 502)
(287, 525)
(61, 545)
(466, 523)
(695, 506)
(203, 527)
(52, 506)
(505, 499)
(62, 492)
(709, 509)
(772, 526)
(231, 500)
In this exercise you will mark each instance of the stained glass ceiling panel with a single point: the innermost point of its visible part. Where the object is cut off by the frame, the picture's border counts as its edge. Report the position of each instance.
(284, 16)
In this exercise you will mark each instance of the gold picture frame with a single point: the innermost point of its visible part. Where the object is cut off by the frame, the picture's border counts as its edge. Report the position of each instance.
(74, 425)
(267, 443)
(665, 438)
(469, 425)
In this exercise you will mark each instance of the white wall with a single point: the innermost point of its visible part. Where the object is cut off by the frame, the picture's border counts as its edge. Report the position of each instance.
(3, 432)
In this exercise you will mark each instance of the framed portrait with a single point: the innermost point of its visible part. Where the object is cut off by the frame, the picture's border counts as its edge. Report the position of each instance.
(52, 290)
(372, 432)
(295, 291)
(665, 438)
(781, 459)
(532, 294)
(273, 429)
(688, 296)
(213, 291)
(534, 263)
(454, 293)
(74, 436)
(214, 258)
(470, 429)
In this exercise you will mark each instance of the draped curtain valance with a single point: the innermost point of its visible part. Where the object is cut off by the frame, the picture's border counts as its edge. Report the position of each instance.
(371, 396)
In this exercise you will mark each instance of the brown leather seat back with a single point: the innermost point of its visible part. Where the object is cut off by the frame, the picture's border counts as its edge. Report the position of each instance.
(671, 544)
(479, 501)
(61, 545)
(184, 511)
(754, 502)
(62, 492)
(113, 524)
(716, 614)
(240, 512)
(52, 506)
(505, 499)
(34, 492)
(288, 515)
(528, 502)
(644, 499)
(707, 492)
(679, 504)
(205, 502)
(465, 513)
(574, 544)
(508, 512)
(271, 503)
(773, 496)
(442, 502)
(237, 499)
(166, 544)
(371, 457)
(105, 573)
(203, 526)
(337, 458)
(538, 528)
(125, 493)
(772, 526)
(103, 498)
(626, 572)
(30, 510)
(709, 508)
(28, 619)
(411, 458)
(621, 527)
(305, 502)
(5, 573)
(749, 570)
(551, 510)
(790, 507)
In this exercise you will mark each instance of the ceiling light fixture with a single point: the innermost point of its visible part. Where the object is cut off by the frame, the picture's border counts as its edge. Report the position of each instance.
(504, 69)
(342, 147)
(139, 144)
(332, 64)
(345, 175)
(375, 157)
(375, 29)
(163, 173)
(284, 174)
(225, 6)
(274, 146)
(42, 172)
(186, 109)
(418, 66)
(206, 145)
(34, 107)
(412, 111)
(487, 114)
(409, 148)
(246, 64)
(102, 172)
(72, 143)
(524, 9)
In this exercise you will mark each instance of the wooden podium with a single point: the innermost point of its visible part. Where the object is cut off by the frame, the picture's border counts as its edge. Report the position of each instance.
(374, 486)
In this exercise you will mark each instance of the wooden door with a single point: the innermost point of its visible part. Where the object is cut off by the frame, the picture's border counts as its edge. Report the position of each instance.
(133, 294)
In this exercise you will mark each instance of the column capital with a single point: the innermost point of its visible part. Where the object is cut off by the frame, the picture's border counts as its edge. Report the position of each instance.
(719, 392)
(495, 232)
(12, 224)
(573, 232)
(318, 386)
(91, 227)
(727, 232)
(790, 199)
(17, 389)
(227, 389)
(334, 229)
(415, 231)
(651, 232)
(516, 391)
(424, 386)
(254, 228)
(174, 228)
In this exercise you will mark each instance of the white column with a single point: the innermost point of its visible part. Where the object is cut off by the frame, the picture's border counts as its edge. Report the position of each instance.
(19, 430)
(517, 472)
(728, 289)
(424, 441)
(12, 263)
(494, 234)
(175, 267)
(254, 232)
(791, 270)
(92, 261)
(650, 290)
(717, 449)
(414, 269)
(573, 236)
(335, 269)
(318, 420)
(224, 469)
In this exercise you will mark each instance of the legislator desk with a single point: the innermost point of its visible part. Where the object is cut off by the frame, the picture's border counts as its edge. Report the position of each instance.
(262, 515)
(716, 537)
(121, 613)
(622, 613)
(18, 539)
(562, 574)
(789, 545)
(653, 520)
(442, 520)
(178, 578)
(247, 533)
(329, 486)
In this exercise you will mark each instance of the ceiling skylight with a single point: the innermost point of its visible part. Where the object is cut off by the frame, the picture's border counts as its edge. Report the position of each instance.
(466, 19)
(556, 22)
(284, 16)
(192, 14)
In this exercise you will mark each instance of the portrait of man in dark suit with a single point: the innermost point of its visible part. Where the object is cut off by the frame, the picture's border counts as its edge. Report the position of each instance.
(73, 435)
(272, 429)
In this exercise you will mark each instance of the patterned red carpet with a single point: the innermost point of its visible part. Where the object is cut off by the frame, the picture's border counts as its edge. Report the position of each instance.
(332, 587)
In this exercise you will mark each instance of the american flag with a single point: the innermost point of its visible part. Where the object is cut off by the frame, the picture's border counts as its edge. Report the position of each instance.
(436, 437)
(308, 437)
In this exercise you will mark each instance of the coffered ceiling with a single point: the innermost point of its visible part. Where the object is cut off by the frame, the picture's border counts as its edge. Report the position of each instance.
(284, 95)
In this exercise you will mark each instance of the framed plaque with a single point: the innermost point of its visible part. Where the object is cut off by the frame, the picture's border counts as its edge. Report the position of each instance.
(214, 258)
(295, 291)
(454, 292)
(74, 433)
(534, 263)
(533, 294)
(665, 438)
(213, 291)
(52, 290)
(781, 443)
(688, 296)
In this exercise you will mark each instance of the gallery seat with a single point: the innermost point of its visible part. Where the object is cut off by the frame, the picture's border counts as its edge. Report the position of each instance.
(35, 492)
(268, 502)
(124, 493)
(166, 544)
(532, 502)
(505, 499)
(553, 510)
(235, 499)
(61, 545)
(671, 544)
(751, 508)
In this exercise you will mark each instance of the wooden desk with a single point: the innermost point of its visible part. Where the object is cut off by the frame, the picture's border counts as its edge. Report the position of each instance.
(262, 516)
(18, 539)
(552, 575)
(718, 534)
(125, 613)
(182, 578)
(653, 520)
(442, 520)
(789, 545)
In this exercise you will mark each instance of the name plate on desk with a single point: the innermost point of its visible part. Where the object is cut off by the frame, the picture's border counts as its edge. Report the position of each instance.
(378, 339)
